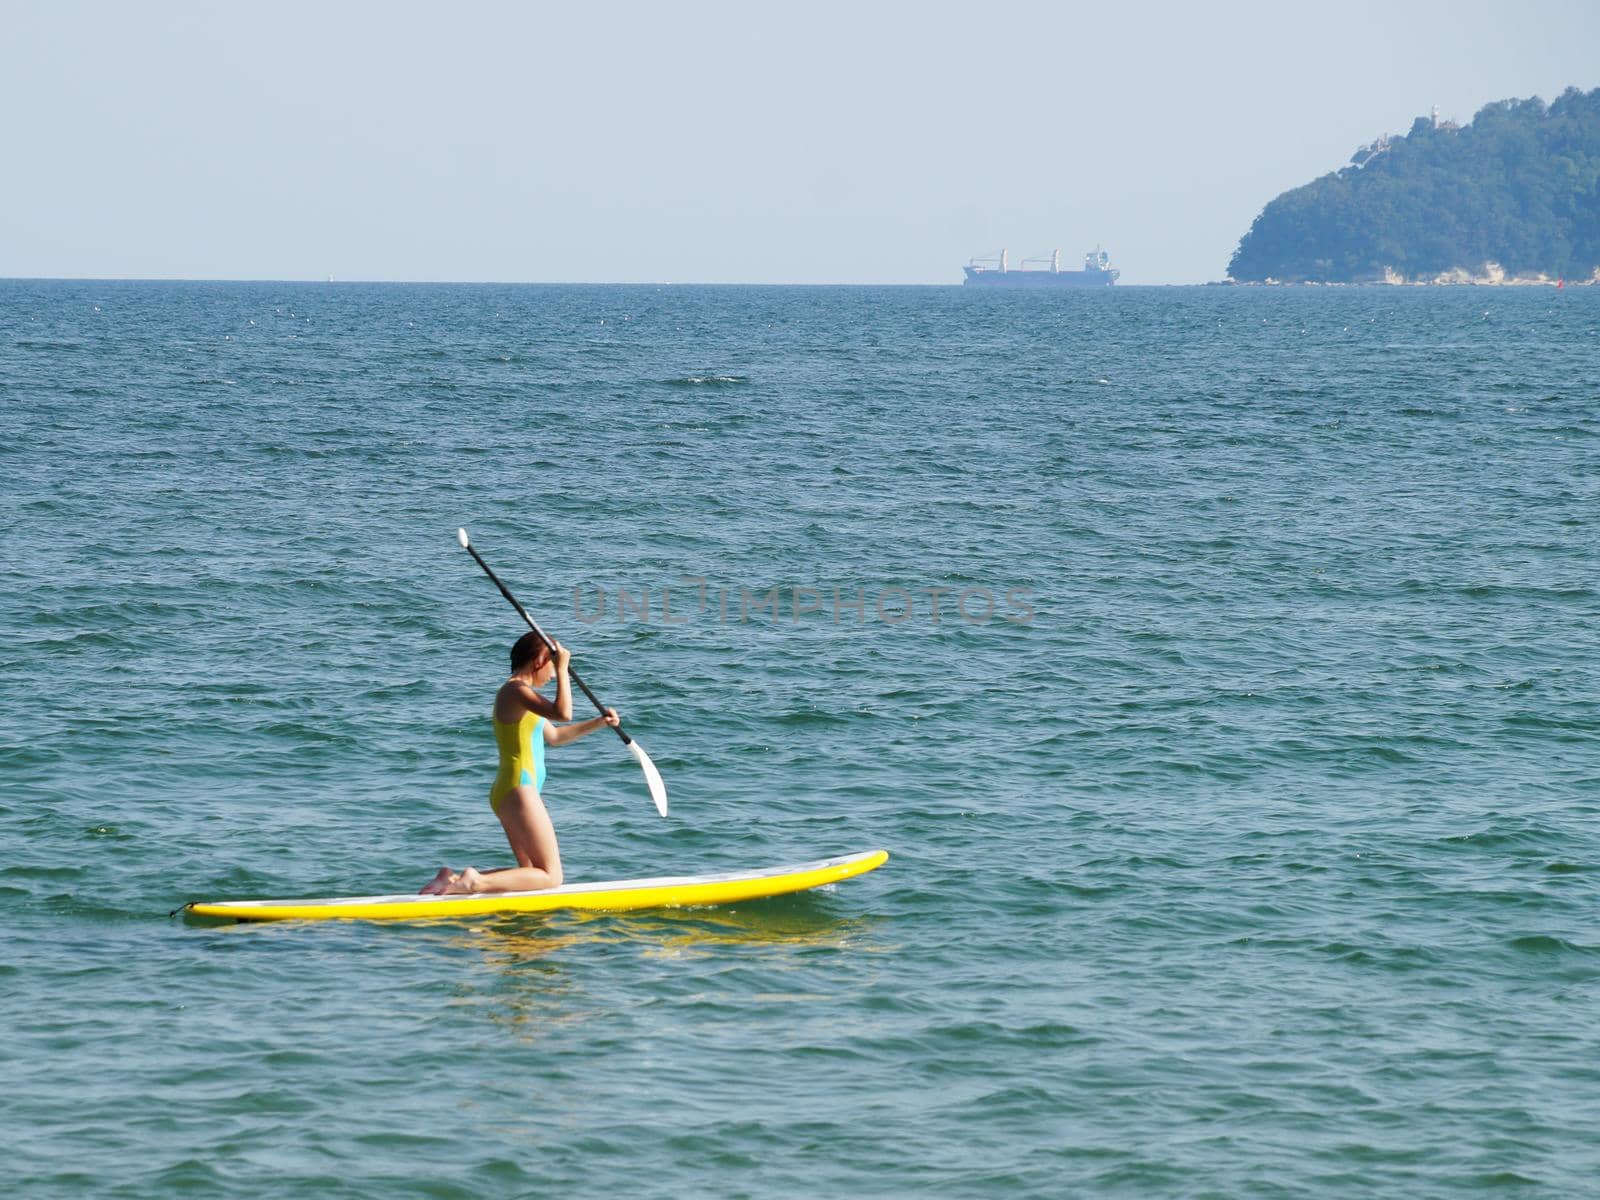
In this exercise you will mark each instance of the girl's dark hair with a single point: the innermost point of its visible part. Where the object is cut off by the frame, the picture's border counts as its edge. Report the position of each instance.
(529, 648)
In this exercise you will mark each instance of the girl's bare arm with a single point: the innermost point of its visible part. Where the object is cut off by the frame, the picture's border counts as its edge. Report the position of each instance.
(560, 735)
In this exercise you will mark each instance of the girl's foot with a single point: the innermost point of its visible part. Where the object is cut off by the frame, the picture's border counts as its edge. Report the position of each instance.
(467, 882)
(439, 884)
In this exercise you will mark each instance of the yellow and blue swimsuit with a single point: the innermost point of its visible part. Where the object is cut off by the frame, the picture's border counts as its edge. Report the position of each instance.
(521, 756)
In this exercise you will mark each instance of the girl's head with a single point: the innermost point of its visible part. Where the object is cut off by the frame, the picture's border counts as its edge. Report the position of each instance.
(529, 651)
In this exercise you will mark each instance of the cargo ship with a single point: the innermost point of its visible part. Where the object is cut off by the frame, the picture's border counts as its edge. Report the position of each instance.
(998, 272)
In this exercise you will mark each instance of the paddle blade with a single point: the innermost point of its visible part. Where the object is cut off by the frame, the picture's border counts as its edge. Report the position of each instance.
(461, 536)
(658, 790)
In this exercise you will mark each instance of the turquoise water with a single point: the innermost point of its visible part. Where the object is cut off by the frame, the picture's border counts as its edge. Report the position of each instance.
(1250, 847)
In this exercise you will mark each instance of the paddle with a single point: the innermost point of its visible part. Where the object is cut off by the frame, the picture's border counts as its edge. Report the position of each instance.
(652, 777)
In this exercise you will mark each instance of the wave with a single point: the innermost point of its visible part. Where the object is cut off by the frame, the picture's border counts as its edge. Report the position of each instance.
(707, 380)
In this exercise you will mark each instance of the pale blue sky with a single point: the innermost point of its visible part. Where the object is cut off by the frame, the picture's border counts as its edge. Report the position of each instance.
(806, 143)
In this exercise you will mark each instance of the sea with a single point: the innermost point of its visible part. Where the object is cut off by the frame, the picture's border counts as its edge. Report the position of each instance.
(1219, 667)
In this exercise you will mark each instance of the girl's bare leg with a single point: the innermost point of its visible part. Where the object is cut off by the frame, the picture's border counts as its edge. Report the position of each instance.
(533, 841)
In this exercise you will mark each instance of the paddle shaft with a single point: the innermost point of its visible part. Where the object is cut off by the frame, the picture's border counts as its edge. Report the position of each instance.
(543, 637)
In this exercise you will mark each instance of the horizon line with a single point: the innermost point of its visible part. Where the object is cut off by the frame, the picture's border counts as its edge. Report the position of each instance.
(503, 282)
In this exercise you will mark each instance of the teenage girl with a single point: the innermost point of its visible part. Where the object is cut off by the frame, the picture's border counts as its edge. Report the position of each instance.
(523, 727)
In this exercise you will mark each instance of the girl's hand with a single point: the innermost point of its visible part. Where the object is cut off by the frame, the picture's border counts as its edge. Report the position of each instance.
(610, 718)
(563, 657)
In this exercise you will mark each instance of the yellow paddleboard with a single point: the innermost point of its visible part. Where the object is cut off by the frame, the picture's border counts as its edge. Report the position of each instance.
(683, 891)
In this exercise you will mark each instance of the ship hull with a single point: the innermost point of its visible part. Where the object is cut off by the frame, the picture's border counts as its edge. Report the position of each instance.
(984, 277)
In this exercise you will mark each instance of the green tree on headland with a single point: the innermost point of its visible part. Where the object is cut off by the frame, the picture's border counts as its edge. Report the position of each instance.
(1518, 187)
